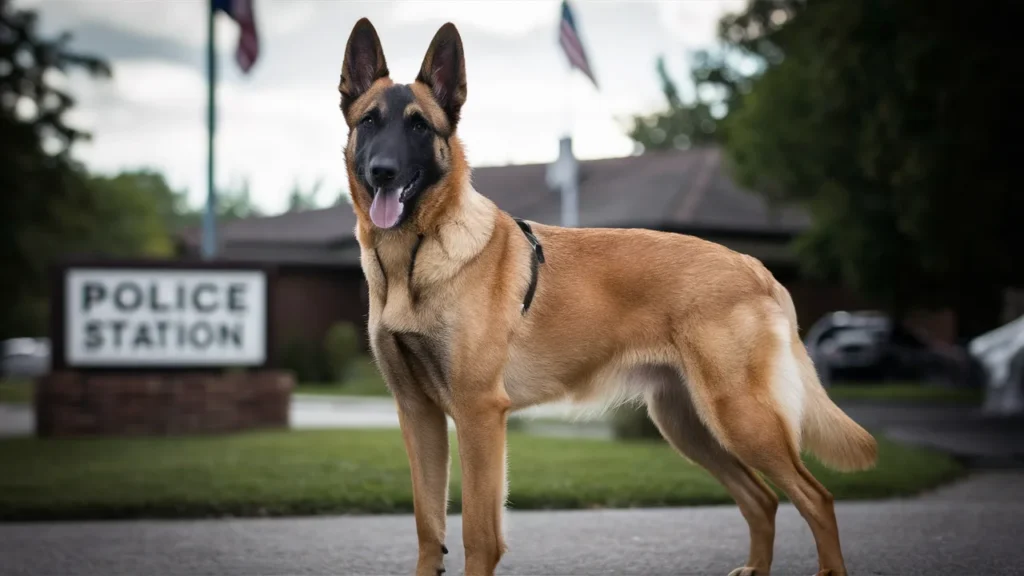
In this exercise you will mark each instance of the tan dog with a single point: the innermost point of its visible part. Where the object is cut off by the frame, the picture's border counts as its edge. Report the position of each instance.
(474, 315)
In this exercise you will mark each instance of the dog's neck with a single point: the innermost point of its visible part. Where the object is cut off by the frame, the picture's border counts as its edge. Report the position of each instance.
(441, 247)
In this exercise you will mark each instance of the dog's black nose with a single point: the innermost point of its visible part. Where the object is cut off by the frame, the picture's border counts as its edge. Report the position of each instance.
(383, 171)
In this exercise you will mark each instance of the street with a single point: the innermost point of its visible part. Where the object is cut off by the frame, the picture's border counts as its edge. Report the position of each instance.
(971, 528)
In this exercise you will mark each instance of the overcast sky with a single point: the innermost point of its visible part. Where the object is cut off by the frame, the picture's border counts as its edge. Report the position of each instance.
(280, 124)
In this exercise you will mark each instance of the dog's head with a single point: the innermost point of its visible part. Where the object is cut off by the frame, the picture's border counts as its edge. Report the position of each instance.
(404, 161)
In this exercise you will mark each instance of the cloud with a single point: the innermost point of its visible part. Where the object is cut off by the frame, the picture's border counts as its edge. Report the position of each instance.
(696, 22)
(281, 123)
(158, 83)
(507, 17)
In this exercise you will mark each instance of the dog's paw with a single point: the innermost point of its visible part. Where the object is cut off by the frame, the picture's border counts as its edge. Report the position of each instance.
(745, 571)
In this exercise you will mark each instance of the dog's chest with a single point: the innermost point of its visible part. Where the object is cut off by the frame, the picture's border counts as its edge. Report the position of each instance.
(416, 362)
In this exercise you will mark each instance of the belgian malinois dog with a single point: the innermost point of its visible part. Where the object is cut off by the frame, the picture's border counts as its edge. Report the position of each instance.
(475, 314)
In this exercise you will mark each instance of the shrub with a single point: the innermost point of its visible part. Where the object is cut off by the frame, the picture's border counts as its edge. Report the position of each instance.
(341, 346)
(631, 422)
(306, 360)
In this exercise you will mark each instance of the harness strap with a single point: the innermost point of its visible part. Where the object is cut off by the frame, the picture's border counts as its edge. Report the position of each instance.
(413, 292)
(536, 261)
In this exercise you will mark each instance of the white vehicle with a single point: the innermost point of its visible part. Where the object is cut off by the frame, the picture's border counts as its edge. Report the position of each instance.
(25, 357)
(1001, 353)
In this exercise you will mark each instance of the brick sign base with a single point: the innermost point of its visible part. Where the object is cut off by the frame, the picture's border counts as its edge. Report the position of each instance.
(71, 403)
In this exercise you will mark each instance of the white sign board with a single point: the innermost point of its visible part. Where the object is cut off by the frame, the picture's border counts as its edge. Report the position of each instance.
(126, 317)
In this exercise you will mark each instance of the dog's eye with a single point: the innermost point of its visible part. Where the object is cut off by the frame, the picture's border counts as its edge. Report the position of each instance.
(367, 121)
(419, 125)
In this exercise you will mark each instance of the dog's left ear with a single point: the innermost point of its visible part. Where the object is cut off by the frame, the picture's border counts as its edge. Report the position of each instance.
(444, 71)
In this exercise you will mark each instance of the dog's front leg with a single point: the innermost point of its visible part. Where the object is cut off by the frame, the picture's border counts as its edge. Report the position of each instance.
(425, 431)
(480, 426)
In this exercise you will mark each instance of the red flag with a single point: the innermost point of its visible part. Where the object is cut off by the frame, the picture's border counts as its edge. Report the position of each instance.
(569, 38)
(241, 11)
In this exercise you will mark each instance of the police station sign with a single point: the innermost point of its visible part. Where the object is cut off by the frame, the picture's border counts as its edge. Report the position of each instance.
(168, 317)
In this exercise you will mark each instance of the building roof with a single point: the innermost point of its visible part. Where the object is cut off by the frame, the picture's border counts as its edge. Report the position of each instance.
(686, 191)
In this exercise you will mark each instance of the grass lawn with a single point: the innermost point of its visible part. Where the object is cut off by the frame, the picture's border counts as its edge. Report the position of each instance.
(16, 391)
(346, 471)
(905, 391)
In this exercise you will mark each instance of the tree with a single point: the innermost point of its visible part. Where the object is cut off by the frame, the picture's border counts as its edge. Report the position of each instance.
(45, 195)
(888, 121)
(680, 126)
(720, 75)
(300, 200)
(135, 213)
(235, 203)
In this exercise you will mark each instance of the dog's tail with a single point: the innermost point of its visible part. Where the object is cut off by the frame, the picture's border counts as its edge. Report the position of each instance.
(825, 430)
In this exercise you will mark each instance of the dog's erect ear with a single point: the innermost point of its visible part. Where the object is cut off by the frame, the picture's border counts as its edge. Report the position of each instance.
(444, 71)
(363, 65)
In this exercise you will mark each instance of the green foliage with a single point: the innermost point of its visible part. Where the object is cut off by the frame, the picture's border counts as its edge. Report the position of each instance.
(300, 200)
(720, 77)
(341, 346)
(44, 193)
(916, 392)
(887, 121)
(134, 214)
(234, 203)
(363, 379)
(631, 422)
(681, 126)
(306, 360)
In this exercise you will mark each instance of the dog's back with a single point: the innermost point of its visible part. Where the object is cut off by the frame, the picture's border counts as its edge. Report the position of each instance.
(613, 305)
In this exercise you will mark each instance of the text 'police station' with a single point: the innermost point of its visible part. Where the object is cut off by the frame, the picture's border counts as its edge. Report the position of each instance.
(153, 300)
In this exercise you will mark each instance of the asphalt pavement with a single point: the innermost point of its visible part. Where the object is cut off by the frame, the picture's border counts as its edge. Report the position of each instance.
(970, 528)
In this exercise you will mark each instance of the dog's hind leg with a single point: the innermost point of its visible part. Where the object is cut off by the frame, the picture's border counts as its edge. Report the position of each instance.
(672, 410)
(751, 396)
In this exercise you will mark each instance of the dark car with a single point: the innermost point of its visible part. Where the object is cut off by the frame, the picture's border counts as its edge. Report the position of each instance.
(869, 346)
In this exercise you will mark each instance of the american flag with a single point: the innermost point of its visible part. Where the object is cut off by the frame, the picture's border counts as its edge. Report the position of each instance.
(569, 38)
(241, 11)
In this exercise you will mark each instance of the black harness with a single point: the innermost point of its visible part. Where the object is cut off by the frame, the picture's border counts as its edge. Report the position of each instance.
(536, 261)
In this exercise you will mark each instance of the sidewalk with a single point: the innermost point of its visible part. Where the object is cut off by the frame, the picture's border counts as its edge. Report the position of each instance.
(961, 431)
(309, 411)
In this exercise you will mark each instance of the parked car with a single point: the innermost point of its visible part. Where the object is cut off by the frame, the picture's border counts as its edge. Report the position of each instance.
(25, 357)
(869, 346)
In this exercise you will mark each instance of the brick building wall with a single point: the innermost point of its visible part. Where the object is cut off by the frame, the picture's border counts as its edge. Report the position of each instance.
(307, 301)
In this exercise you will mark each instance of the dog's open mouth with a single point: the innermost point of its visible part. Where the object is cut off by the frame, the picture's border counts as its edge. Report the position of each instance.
(389, 204)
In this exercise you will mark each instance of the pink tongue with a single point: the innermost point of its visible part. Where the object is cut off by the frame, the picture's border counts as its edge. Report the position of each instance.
(386, 209)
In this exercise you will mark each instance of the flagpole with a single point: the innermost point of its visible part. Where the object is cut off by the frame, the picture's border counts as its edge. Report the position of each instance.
(209, 246)
(570, 200)
(567, 102)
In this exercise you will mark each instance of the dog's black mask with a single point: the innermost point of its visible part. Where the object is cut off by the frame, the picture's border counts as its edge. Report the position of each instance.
(395, 158)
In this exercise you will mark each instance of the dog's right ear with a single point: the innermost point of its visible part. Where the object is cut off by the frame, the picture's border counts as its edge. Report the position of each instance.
(363, 65)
